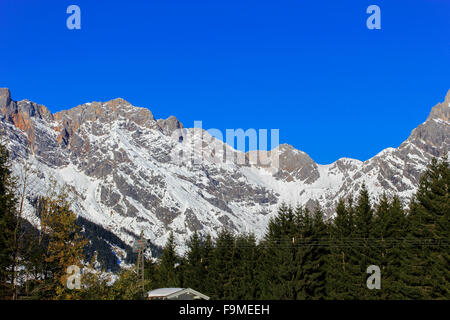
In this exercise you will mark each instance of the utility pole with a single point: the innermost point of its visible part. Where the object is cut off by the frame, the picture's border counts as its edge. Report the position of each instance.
(140, 247)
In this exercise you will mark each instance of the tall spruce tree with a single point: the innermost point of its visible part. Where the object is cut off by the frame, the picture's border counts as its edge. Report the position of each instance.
(195, 272)
(167, 269)
(220, 266)
(390, 232)
(8, 207)
(342, 262)
(430, 229)
(244, 264)
(312, 251)
(278, 273)
(365, 244)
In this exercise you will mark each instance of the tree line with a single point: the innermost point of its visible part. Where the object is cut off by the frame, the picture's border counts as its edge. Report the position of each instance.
(302, 255)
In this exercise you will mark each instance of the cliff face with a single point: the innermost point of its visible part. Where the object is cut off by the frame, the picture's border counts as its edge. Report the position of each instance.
(121, 167)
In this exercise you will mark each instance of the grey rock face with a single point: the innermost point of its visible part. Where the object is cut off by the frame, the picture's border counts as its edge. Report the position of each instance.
(5, 97)
(169, 125)
(296, 165)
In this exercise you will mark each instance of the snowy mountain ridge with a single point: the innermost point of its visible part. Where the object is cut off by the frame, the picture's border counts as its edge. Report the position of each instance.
(117, 161)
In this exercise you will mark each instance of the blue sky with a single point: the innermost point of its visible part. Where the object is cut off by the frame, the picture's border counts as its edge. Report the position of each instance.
(310, 68)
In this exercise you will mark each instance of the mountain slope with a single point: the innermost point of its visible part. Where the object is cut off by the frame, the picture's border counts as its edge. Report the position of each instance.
(121, 167)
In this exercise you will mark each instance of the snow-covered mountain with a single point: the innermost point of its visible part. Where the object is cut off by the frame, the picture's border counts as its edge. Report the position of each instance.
(118, 162)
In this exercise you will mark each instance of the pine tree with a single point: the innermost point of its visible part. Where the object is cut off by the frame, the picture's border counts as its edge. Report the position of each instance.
(244, 263)
(278, 273)
(94, 283)
(339, 275)
(150, 275)
(365, 244)
(195, 272)
(64, 245)
(206, 261)
(32, 261)
(311, 255)
(127, 286)
(390, 232)
(344, 270)
(8, 222)
(167, 269)
(221, 265)
(430, 227)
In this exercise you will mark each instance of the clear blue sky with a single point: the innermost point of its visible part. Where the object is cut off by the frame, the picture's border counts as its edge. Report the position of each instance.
(310, 68)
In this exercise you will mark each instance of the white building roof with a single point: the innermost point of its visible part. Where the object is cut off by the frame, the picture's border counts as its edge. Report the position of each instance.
(163, 292)
(175, 292)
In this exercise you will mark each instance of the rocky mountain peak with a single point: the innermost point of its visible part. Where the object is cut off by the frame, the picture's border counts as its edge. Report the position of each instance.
(433, 135)
(21, 114)
(292, 164)
(5, 97)
(116, 102)
(441, 111)
(24, 108)
(296, 165)
(169, 125)
(284, 147)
